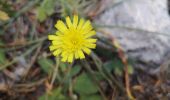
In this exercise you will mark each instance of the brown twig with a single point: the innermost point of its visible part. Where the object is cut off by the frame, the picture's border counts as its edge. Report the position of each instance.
(28, 87)
(33, 60)
(123, 57)
(16, 44)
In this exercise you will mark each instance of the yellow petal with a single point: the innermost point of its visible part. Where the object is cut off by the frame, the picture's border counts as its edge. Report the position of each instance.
(86, 50)
(75, 21)
(87, 27)
(91, 40)
(76, 55)
(64, 53)
(53, 37)
(61, 26)
(52, 48)
(57, 52)
(70, 58)
(56, 42)
(81, 54)
(80, 25)
(89, 45)
(58, 33)
(68, 21)
(89, 34)
(64, 59)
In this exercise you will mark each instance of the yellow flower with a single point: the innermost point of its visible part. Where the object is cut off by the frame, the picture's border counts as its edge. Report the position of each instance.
(72, 39)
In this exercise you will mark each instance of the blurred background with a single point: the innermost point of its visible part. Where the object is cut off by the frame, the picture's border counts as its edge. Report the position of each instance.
(131, 60)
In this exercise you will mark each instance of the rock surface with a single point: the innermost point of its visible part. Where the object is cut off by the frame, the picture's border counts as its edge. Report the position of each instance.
(143, 28)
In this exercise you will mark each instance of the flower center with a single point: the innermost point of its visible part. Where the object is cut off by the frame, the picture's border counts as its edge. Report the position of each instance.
(75, 43)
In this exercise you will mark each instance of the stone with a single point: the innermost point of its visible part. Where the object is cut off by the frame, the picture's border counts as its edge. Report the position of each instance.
(142, 27)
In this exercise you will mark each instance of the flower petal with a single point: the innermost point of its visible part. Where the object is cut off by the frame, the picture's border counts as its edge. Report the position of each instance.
(64, 59)
(68, 21)
(52, 48)
(89, 34)
(91, 40)
(80, 25)
(89, 45)
(75, 21)
(56, 42)
(61, 26)
(70, 57)
(57, 52)
(87, 27)
(86, 50)
(58, 33)
(81, 54)
(76, 55)
(53, 37)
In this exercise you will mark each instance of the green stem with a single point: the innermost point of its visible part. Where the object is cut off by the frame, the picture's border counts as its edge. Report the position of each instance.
(86, 65)
(55, 73)
(103, 70)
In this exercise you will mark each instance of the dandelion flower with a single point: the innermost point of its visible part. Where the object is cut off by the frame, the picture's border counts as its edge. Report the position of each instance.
(72, 39)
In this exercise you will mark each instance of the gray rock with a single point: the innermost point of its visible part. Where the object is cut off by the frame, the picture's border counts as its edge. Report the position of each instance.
(142, 27)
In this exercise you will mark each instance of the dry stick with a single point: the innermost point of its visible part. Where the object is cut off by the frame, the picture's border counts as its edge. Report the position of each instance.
(124, 61)
(71, 94)
(28, 87)
(16, 59)
(33, 60)
(127, 82)
(38, 41)
(23, 44)
(86, 65)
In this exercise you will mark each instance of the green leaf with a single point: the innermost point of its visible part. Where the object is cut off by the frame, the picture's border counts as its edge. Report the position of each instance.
(109, 65)
(48, 6)
(46, 64)
(130, 69)
(84, 85)
(46, 9)
(90, 97)
(118, 71)
(56, 95)
(2, 55)
(63, 66)
(117, 66)
(74, 70)
(99, 76)
(41, 16)
(114, 65)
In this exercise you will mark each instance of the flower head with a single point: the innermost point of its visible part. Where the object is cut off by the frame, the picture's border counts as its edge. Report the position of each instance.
(72, 39)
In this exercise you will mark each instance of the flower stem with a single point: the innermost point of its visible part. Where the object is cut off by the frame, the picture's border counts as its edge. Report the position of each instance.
(55, 71)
